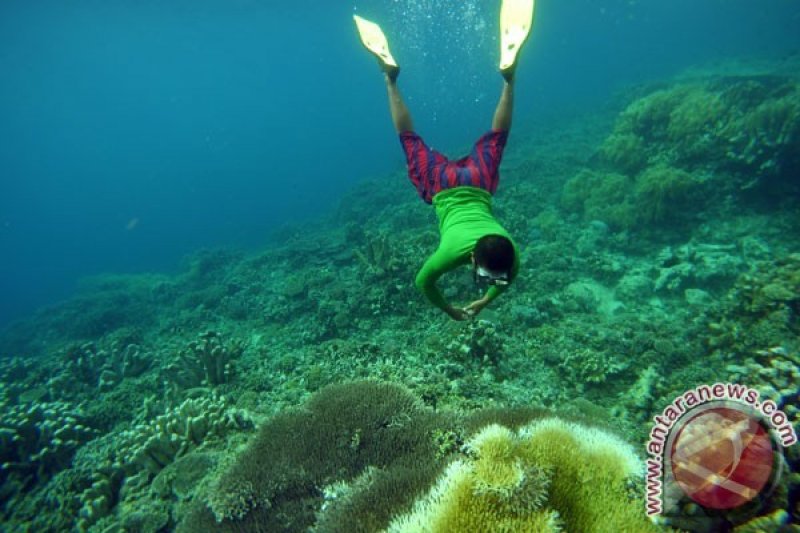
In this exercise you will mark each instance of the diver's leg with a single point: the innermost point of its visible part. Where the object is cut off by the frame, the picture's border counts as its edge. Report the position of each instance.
(401, 117)
(505, 107)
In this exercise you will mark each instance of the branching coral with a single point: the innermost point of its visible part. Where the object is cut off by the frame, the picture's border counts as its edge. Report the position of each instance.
(129, 362)
(695, 124)
(376, 254)
(20, 380)
(15, 369)
(624, 152)
(37, 440)
(207, 361)
(766, 138)
(151, 446)
(132, 458)
(658, 193)
(649, 116)
(100, 497)
(92, 365)
(706, 123)
(772, 286)
(83, 362)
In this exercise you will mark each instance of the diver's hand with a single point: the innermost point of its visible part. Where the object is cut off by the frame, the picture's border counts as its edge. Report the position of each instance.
(476, 307)
(456, 313)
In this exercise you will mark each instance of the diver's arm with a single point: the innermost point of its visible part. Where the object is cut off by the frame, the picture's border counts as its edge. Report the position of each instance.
(426, 279)
(427, 286)
(494, 291)
(477, 306)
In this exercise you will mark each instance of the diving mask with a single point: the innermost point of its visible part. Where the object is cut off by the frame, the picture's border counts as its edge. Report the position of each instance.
(487, 277)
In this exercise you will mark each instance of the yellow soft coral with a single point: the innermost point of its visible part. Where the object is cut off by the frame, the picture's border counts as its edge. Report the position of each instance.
(455, 505)
(549, 476)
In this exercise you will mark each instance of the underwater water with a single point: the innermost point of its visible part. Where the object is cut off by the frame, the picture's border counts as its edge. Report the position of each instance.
(209, 318)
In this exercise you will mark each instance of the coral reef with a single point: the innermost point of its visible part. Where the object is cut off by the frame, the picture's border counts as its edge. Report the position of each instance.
(624, 151)
(120, 364)
(775, 521)
(676, 151)
(100, 497)
(663, 262)
(775, 373)
(206, 362)
(89, 366)
(151, 446)
(761, 309)
(590, 367)
(343, 430)
(694, 265)
(601, 196)
(37, 441)
(137, 455)
(361, 468)
(21, 381)
(663, 193)
(529, 480)
(377, 255)
(640, 399)
(480, 342)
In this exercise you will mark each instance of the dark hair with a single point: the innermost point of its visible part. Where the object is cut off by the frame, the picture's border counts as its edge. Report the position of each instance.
(496, 253)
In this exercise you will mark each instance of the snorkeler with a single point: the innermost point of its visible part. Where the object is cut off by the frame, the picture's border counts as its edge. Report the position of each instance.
(461, 191)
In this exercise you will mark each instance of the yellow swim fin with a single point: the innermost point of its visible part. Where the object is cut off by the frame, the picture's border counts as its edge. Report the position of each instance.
(375, 41)
(516, 19)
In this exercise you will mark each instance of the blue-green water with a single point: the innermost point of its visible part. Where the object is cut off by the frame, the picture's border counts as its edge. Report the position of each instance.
(135, 133)
(208, 311)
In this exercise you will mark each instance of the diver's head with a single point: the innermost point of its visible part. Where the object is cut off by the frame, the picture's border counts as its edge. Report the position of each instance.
(493, 259)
